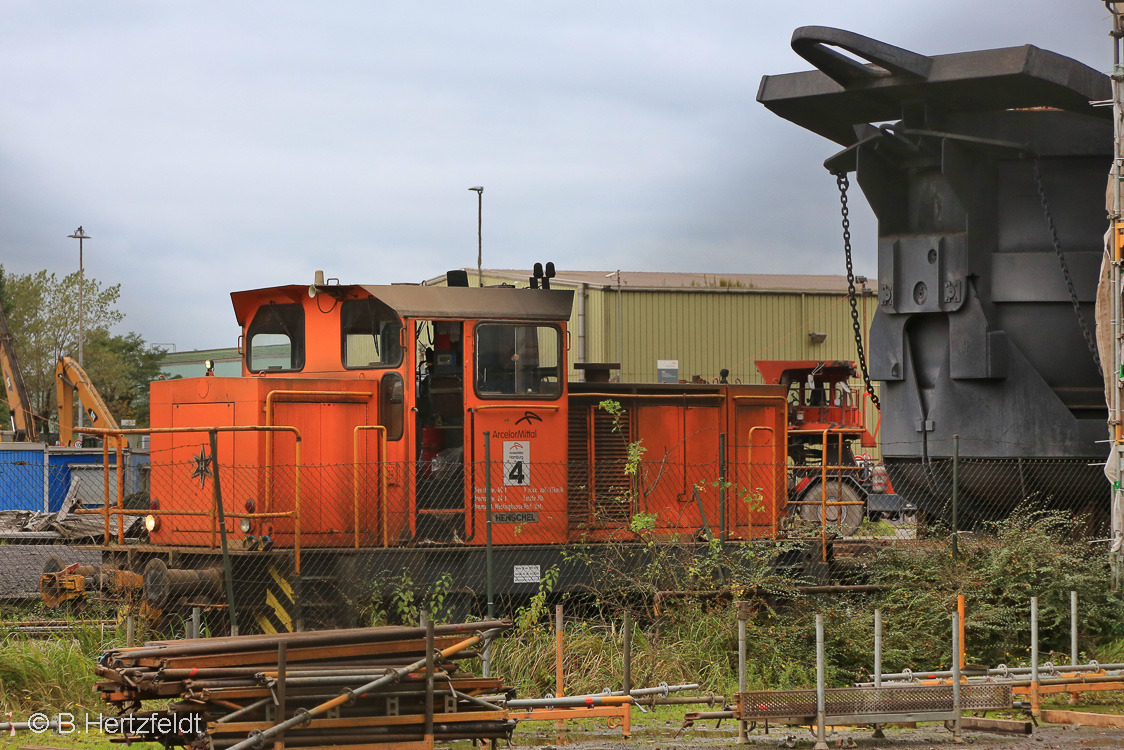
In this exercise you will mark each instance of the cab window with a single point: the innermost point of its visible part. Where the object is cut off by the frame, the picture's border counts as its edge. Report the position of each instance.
(518, 361)
(370, 335)
(275, 338)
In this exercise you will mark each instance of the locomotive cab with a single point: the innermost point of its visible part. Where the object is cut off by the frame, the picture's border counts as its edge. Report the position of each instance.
(391, 391)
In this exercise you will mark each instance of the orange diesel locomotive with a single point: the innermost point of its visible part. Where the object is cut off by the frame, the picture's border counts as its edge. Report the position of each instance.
(387, 431)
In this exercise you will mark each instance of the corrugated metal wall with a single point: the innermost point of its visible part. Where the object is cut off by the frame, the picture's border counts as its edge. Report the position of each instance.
(707, 330)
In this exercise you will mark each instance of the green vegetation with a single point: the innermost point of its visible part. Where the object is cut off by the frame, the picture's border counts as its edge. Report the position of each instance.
(42, 312)
(52, 674)
(692, 637)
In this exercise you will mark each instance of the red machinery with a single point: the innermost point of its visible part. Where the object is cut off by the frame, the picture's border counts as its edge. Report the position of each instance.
(828, 480)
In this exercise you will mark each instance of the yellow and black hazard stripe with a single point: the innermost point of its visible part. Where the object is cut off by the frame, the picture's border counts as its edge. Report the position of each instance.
(280, 604)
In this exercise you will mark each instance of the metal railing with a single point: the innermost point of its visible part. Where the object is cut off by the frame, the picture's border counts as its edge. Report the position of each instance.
(216, 512)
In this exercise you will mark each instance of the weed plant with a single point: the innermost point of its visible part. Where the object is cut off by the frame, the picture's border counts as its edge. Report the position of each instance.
(1035, 552)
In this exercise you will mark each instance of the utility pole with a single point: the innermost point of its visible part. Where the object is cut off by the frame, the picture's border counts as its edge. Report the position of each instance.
(81, 236)
(479, 190)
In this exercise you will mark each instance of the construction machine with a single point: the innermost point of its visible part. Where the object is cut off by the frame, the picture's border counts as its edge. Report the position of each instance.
(69, 378)
(18, 401)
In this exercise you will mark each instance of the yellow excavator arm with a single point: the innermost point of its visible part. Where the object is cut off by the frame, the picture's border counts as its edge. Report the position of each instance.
(70, 377)
(18, 401)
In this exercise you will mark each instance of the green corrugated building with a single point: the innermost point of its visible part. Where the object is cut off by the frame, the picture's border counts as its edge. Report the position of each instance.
(704, 321)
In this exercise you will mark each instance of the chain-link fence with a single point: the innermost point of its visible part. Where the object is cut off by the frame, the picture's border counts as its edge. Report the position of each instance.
(304, 544)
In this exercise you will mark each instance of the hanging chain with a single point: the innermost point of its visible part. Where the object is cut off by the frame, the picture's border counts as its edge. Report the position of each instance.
(1088, 334)
(843, 183)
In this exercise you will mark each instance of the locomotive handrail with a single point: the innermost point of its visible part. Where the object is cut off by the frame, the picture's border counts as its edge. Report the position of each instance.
(776, 462)
(382, 477)
(334, 397)
(120, 510)
(661, 395)
(524, 406)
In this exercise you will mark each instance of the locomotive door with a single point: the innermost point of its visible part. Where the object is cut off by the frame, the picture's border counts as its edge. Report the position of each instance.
(439, 434)
(757, 466)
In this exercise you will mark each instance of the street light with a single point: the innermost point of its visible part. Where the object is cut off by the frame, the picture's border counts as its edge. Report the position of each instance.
(479, 190)
(81, 236)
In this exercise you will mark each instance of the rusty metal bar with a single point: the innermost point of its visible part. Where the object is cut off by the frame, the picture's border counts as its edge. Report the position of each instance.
(105, 474)
(120, 488)
(258, 740)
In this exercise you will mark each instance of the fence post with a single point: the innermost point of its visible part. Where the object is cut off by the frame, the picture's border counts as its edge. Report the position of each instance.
(743, 728)
(226, 567)
(196, 616)
(279, 692)
(488, 584)
(1073, 627)
(960, 632)
(722, 487)
(627, 647)
(1034, 655)
(560, 724)
(878, 733)
(429, 668)
(821, 696)
(956, 648)
(955, 490)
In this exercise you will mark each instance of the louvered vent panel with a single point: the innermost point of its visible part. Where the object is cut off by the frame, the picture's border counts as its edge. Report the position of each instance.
(577, 499)
(612, 486)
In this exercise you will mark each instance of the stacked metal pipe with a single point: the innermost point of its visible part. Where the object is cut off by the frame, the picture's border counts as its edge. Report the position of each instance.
(311, 689)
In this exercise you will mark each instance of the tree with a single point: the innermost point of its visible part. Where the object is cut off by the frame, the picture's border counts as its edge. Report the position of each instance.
(121, 367)
(6, 307)
(43, 315)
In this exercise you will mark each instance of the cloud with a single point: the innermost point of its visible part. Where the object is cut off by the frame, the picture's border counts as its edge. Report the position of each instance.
(211, 147)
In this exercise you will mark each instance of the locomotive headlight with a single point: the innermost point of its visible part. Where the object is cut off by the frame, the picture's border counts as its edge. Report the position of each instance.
(247, 525)
(152, 523)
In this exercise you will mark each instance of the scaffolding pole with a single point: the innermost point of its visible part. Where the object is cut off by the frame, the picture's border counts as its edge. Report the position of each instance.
(1114, 249)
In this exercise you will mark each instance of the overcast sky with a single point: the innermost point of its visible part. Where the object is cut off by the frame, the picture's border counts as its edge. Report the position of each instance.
(209, 147)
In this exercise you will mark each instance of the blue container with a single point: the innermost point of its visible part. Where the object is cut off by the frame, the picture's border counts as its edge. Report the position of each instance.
(21, 476)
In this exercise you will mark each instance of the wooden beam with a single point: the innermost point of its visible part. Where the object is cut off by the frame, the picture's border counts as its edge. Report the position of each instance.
(1082, 717)
(1003, 726)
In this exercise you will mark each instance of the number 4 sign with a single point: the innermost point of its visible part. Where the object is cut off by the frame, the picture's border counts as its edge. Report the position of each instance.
(516, 463)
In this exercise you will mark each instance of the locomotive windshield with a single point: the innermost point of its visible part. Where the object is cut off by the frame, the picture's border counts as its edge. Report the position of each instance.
(276, 338)
(370, 334)
(518, 361)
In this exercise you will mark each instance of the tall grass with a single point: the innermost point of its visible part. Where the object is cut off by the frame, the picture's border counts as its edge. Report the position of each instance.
(1036, 552)
(55, 673)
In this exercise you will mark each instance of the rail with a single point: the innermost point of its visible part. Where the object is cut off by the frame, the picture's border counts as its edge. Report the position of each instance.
(120, 510)
(383, 509)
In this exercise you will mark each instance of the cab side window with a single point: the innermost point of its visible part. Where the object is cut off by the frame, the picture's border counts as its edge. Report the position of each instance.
(370, 335)
(275, 338)
(518, 361)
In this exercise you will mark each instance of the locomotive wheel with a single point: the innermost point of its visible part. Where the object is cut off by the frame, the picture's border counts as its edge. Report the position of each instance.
(845, 518)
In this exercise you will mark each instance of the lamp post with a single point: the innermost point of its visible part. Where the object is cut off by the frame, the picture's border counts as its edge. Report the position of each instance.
(81, 236)
(479, 190)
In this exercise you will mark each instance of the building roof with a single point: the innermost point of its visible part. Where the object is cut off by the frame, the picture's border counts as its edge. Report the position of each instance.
(420, 301)
(198, 355)
(668, 281)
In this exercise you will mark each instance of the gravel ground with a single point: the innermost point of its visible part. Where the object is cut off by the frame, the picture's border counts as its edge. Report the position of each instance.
(1046, 737)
